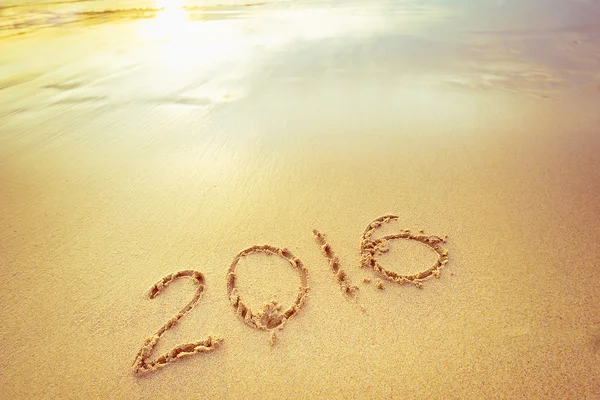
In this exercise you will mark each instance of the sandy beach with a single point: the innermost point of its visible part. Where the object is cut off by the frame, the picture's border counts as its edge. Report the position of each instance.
(141, 139)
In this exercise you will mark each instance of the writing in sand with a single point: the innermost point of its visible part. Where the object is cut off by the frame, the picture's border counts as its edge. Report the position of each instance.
(273, 317)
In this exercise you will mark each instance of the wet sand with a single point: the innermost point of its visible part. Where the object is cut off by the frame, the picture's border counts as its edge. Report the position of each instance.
(137, 147)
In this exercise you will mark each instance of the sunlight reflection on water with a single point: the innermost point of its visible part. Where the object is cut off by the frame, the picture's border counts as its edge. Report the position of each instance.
(171, 20)
(420, 46)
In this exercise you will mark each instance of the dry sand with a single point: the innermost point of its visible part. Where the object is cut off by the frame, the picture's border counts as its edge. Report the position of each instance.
(133, 148)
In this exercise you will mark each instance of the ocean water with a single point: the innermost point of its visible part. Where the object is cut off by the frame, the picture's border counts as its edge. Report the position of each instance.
(21, 17)
(535, 46)
(506, 16)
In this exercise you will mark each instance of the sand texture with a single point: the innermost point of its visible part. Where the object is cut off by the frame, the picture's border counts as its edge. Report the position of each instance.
(299, 200)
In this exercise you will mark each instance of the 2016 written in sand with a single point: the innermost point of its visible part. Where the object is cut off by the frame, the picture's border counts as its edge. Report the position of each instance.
(272, 318)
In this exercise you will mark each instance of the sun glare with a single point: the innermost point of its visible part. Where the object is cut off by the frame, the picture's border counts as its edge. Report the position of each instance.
(181, 42)
(171, 20)
(170, 4)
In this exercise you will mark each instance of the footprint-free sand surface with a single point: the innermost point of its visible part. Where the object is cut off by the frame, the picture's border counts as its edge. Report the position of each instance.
(191, 193)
